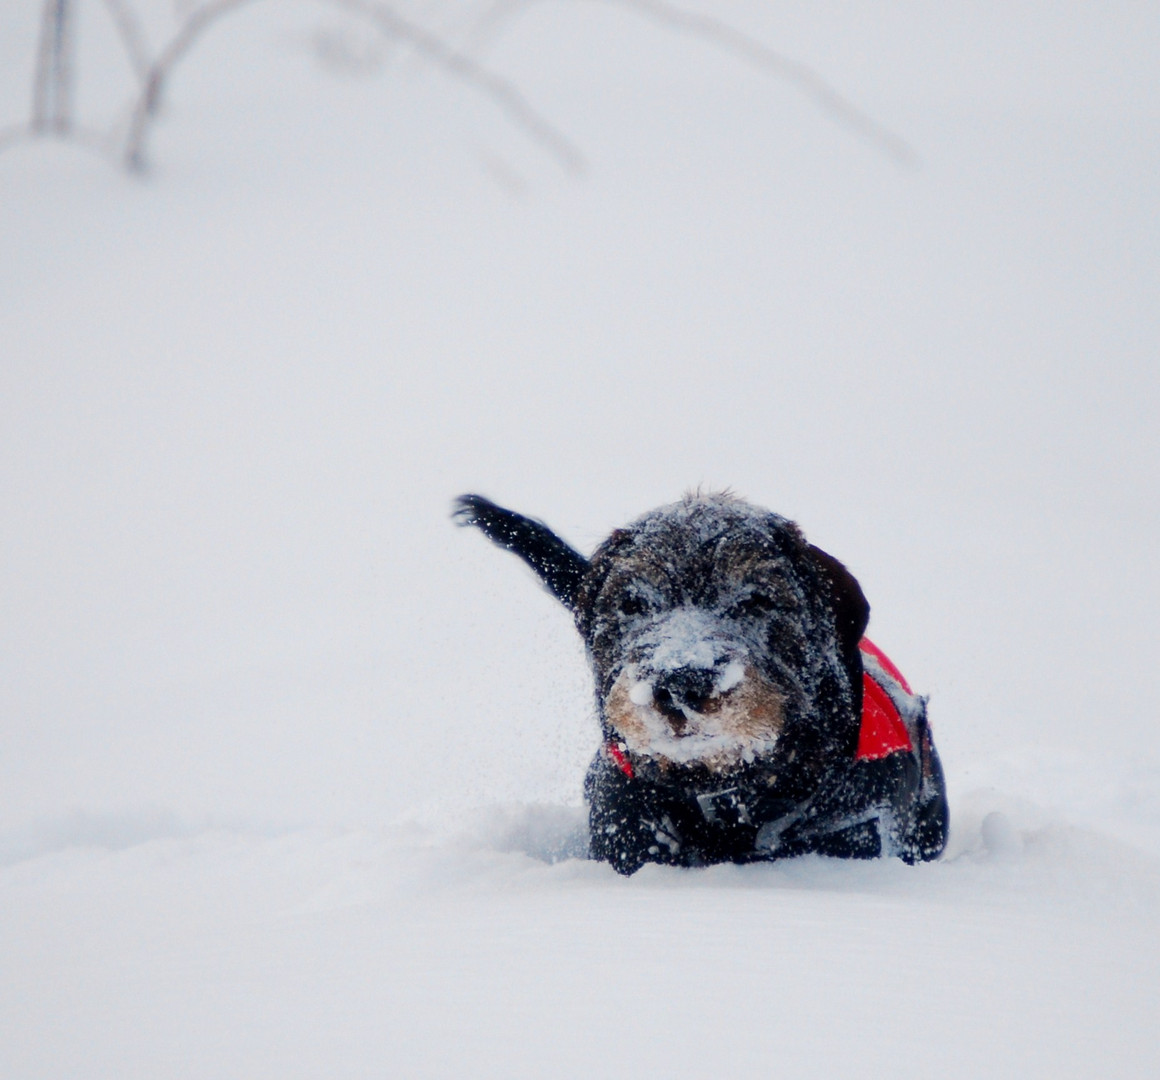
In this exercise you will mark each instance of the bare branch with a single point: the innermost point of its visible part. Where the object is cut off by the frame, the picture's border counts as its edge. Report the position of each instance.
(157, 76)
(51, 111)
(132, 37)
(711, 29)
(52, 82)
(41, 88)
(502, 92)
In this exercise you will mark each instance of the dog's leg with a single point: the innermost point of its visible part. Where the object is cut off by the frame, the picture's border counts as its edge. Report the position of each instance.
(932, 815)
(628, 825)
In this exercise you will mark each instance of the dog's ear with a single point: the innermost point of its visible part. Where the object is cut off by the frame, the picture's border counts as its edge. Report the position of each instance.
(560, 566)
(847, 601)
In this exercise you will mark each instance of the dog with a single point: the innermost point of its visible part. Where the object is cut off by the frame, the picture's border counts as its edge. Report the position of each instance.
(744, 714)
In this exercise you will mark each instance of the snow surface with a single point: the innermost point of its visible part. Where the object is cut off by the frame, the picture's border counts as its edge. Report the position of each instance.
(290, 767)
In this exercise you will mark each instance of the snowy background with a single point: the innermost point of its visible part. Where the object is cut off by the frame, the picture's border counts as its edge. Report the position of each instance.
(290, 767)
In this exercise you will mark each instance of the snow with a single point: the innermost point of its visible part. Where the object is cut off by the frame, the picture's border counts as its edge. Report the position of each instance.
(686, 637)
(731, 676)
(290, 767)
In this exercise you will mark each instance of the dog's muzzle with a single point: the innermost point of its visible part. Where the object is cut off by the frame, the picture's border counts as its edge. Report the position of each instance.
(693, 694)
(684, 691)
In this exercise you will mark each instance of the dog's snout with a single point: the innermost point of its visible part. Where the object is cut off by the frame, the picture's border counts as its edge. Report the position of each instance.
(684, 688)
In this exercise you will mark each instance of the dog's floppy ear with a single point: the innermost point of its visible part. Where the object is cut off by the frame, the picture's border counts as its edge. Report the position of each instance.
(560, 565)
(847, 601)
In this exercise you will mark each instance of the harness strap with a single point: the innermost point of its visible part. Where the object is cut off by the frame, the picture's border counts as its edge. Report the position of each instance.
(617, 751)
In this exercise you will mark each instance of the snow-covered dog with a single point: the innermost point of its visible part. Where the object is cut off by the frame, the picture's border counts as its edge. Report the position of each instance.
(744, 714)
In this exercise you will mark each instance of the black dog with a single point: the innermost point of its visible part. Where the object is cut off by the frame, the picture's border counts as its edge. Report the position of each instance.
(744, 714)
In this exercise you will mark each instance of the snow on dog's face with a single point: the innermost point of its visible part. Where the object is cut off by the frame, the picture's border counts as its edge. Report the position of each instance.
(718, 636)
(699, 625)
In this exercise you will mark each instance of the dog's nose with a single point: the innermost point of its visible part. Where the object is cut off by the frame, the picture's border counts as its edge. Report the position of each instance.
(689, 687)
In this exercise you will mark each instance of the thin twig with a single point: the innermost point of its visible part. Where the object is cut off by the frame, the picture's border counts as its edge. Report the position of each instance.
(51, 104)
(132, 37)
(62, 67)
(42, 76)
(727, 37)
(502, 92)
(157, 75)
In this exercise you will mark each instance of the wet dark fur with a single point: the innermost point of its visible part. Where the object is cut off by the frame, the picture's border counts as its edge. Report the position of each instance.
(759, 596)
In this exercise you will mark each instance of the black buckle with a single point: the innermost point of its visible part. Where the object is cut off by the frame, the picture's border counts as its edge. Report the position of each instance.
(724, 807)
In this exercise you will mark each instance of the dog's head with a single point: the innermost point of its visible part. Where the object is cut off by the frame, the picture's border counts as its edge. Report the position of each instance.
(718, 636)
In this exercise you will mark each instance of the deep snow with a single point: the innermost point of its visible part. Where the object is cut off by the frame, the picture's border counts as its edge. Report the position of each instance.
(290, 767)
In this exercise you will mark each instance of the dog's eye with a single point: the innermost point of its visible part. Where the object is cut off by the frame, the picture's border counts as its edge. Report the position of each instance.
(632, 604)
(756, 605)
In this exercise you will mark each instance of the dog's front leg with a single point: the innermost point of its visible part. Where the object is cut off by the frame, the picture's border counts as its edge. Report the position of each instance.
(628, 825)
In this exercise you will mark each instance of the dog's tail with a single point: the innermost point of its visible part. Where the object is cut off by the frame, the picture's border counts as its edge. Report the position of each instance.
(560, 566)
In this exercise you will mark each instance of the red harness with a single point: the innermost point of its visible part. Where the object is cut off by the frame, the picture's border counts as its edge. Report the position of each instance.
(882, 733)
